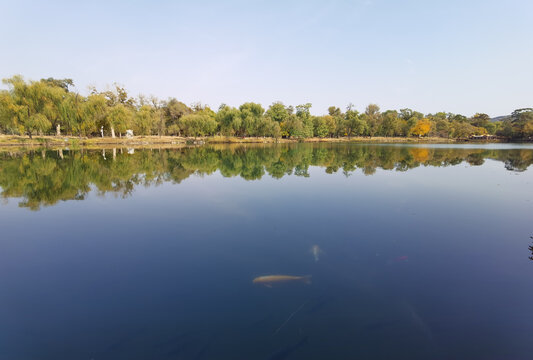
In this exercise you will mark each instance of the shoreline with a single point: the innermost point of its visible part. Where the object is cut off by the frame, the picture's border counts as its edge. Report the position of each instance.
(11, 141)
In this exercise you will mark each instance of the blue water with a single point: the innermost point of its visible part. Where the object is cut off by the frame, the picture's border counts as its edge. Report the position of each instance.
(430, 262)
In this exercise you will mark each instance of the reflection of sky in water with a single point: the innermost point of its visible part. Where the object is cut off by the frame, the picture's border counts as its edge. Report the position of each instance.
(427, 263)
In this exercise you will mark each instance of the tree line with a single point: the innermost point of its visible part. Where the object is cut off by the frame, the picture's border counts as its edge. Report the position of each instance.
(49, 106)
(45, 177)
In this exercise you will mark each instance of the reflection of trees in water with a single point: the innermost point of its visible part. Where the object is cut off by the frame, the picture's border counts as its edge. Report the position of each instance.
(46, 177)
(531, 249)
(476, 159)
(519, 160)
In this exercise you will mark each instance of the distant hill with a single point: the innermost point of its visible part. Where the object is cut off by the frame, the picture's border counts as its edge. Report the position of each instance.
(499, 118)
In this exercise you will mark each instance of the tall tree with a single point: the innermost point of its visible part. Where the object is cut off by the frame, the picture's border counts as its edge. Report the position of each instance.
(72, 114)
(373, 119)
(480, 120)
(251, 114)
(173, 110)
(158, 114)
(229, 119)
(390, 123)
(354, 124)
(32, 104)
(94, 112)
(522, 122)
(277, 112)
(145, 118)
(303, 113)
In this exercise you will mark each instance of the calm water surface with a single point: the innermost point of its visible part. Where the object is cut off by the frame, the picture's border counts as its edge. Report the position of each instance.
(150, 254)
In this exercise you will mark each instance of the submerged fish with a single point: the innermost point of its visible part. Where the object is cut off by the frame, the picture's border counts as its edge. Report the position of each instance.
(316, 251)
(270, 280)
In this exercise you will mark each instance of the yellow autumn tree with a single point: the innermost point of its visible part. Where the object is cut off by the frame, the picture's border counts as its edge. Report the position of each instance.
(421, 127)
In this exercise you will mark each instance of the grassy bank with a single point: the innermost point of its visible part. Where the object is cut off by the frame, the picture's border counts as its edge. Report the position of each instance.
(174, 141)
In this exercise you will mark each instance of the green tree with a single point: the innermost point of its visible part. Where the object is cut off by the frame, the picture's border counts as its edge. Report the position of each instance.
(158, 114)
(64, 109)
(8, 117)
(303, 114)
(338, 119)
(94, 111)
(119, 119)
(373, 119)
(480, 120)
(72, 115)
(173, 110)
(407, 114)
(292, 126)
(354, 123)
(522, 122)
(278, 112)
(443, 128)
(28, 101)
(37, 123)
(408, 119)
(320, 126)
(251, 114)
(462, 130)
(390, 124)
(145, 118)
(229, 120)
(198, 125)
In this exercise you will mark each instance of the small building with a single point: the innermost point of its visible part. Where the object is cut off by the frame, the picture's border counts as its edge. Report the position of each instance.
(482, 137)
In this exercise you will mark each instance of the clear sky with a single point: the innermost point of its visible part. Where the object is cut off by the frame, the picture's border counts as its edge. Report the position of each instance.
(441, 55)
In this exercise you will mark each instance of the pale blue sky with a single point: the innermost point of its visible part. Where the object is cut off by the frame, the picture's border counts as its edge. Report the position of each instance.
(451, 55)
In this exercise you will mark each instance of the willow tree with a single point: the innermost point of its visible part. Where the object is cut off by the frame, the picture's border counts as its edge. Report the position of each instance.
(251, 114)
(144, 120)
(229, 120)
(37, 123)
(56, 95)
(8, 118)
(32, 104)
(120, 104)
(199, 125)
(265, 126)
(118, 118)
(94, 114)
(72, 112)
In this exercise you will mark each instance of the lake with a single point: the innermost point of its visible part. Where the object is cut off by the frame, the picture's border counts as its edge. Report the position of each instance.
(421, 252)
